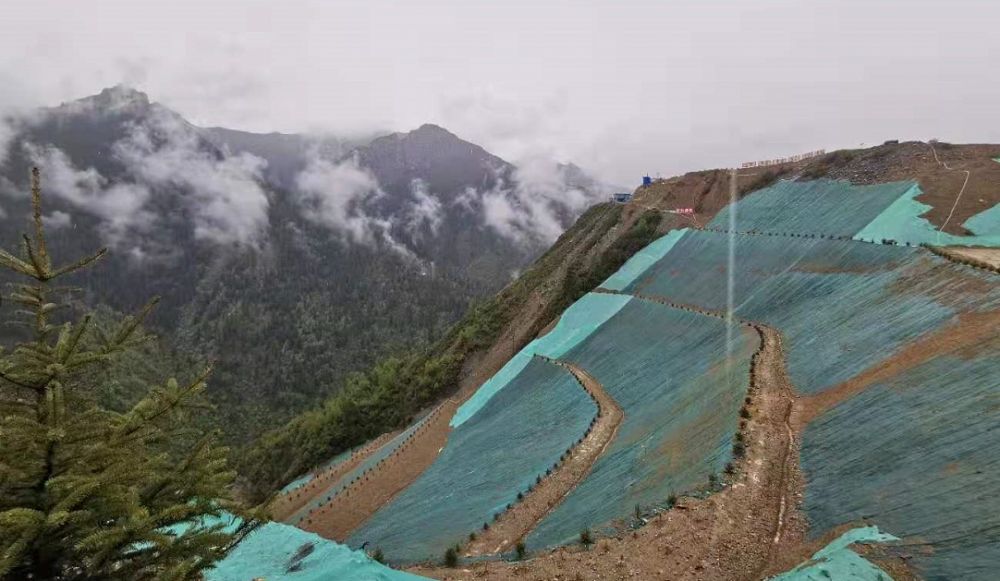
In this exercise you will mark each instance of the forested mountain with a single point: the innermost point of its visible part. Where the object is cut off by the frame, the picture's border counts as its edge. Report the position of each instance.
(289, 260)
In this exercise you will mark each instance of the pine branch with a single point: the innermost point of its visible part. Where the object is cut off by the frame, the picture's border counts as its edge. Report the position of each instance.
(80, 264)
(10, 379)
(129, 326)
(24, 526)
(36, 216)
(41, 271)
(149, 496)
(72, 474)
(14, 263)
(140, 420)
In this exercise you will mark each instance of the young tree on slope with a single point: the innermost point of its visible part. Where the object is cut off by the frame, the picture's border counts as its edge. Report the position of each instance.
(86, 493)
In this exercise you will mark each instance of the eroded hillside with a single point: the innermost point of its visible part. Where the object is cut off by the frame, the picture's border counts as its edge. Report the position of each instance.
(735, 423)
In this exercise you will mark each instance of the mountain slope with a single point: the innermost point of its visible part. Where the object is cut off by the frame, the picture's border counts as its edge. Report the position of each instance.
(849, 327)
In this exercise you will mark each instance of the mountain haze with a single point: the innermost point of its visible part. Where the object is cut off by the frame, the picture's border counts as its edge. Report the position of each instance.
(290, 260)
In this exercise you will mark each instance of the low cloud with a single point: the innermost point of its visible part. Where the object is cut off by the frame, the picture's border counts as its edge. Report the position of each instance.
(332, 194)
(511, 126)
(163, 154)
(537, 205)
(339, 196)
(425, 211)
(119, 206)
(7, 133)
(223, 192)
(57, 220)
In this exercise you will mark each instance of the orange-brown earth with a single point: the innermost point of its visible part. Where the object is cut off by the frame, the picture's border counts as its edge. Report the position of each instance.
(354, 505)
(285, 505)
(982, 257)
(941, 186)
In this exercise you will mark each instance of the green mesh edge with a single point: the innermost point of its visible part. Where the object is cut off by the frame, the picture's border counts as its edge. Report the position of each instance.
(838, 561)
(576, 323)
(902, 222)
(642, 260)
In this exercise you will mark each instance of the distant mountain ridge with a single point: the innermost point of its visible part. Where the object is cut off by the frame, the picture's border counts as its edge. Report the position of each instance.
(290, 259)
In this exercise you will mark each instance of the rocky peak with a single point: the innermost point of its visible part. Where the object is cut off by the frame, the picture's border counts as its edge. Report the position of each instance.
(112, 100)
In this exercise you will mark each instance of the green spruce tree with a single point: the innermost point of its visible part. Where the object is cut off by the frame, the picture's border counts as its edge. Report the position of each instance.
(87, 493)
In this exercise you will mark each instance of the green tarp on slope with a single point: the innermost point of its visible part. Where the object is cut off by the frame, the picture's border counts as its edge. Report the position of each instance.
(268, 552)
(901, 221)
(576, 323)
(823, 206)
(838, 561)
(642, 260)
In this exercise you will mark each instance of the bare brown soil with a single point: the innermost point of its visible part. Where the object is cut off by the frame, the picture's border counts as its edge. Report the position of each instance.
(989, 257)
(749, 529)
(284, 506)
(941, 186)
(706, 192)
(970, 331)
(516, 523)
(355, 504)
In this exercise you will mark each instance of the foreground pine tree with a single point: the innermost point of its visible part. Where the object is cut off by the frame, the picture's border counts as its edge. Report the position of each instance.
(86, 493)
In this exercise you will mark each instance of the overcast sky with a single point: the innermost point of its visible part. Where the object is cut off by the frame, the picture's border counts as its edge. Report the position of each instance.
(621, 87)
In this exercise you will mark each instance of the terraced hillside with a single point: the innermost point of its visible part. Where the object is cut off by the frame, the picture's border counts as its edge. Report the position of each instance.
(783, 380)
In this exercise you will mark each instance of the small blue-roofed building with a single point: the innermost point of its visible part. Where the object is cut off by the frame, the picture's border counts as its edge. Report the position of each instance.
(621, 197)
(647, 181)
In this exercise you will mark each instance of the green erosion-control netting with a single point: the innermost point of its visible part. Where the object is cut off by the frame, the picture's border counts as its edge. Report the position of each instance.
(917, 455)
(878, 212)
(814, 207)
(271, 552)
(920, 456)
(642, 260)
(901, 221)
(488, 460)
(575, 324)
(344, 480)
(842, 305)
(667, 369)
(838, 561)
